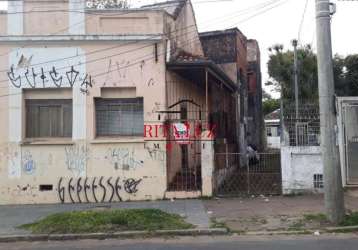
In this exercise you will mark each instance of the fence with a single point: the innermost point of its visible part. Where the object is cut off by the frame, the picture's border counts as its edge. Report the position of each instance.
(255, 175)
(301, 128)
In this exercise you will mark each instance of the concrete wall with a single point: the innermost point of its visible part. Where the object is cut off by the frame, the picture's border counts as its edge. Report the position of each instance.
(141, 22)
(298, 165)
(186, 32)
(273, 142)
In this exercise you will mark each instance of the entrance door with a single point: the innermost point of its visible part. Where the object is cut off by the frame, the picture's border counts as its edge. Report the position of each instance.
(184, 158)
(350, 124)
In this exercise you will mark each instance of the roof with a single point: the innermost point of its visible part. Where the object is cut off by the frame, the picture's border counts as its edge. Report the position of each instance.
(185, 57)
(232, 31)
(186, 60)
(273, 115)
(173, 8)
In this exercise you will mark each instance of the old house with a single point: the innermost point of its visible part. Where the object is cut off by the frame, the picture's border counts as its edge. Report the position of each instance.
(239, 57)
(255, 123)
(227, 48)
(105, 105)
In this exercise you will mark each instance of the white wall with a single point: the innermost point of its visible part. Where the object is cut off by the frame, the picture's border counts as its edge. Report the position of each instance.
(298, 165)
(273, 142)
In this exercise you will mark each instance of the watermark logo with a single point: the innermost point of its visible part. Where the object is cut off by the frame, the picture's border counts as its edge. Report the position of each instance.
(180, 132)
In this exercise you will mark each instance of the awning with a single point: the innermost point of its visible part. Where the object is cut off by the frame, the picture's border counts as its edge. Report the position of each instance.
(195, 71)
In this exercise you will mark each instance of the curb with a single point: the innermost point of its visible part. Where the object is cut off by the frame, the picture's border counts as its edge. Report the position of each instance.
(119, 235)
(346, 229)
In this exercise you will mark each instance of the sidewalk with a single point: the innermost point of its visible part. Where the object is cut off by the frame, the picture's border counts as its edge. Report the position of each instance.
(12, 216)
(269, 213)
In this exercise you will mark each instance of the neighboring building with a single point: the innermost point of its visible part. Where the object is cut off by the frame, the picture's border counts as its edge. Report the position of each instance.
(94, 101)
(227, 48)
(273, 129)
(255, 120)
(240, 59)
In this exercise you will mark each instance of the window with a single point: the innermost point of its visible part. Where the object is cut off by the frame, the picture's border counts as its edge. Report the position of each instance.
(116, 117)
(48, 118)
(318, 181)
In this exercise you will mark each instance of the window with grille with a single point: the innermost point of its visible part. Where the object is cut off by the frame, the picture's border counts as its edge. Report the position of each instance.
(48, 118)
(318, 181)
(119, 117)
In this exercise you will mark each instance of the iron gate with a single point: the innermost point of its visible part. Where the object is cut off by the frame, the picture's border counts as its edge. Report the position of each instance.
(184, 158)
(350, 124)
(236, 174)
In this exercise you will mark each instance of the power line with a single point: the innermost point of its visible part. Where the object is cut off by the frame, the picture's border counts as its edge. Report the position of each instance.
(139, 60)
(302, 20)
(117, 46)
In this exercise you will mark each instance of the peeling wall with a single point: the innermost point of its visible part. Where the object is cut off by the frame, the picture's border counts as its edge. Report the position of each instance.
(84, 167)
(298, 165)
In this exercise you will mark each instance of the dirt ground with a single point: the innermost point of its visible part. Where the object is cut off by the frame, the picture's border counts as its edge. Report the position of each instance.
(266, 213)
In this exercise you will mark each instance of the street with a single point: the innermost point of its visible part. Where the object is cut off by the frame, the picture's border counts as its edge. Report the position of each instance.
(329, 242)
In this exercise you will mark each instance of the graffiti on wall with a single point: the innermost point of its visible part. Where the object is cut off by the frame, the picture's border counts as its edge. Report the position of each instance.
(96, 189)
(14, 160)
(155, 153)
(76, 159)
(24, 191)
(28, 163)
(123, 158)
(32, 78)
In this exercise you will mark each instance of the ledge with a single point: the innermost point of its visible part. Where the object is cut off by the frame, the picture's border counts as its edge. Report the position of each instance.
(71, 38)
(118, 140)
(47, 142)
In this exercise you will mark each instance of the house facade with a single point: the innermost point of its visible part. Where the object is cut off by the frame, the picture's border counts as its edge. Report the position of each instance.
(106, 105)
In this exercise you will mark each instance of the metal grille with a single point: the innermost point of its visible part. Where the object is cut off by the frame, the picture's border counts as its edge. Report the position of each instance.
(255, 176)
(119, 117)
(184, 160)
(350, 124)
(301, 128)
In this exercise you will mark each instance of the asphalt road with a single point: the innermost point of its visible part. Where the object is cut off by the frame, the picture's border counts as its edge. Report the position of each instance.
(342, 242)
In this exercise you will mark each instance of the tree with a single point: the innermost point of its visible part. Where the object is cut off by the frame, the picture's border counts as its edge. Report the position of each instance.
(280, 70)
(270, 105)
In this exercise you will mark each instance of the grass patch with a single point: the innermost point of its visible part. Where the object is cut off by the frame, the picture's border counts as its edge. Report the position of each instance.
(218, 224)
(107, 221)
(297, 226)
(350, 220)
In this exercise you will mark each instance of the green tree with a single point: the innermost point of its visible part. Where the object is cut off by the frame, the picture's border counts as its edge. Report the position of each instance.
(280, 70)
(270, 105)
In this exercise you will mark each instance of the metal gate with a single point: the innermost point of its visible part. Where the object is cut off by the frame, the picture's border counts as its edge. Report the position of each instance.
(350, 128)
(184, 157)
(236, 174)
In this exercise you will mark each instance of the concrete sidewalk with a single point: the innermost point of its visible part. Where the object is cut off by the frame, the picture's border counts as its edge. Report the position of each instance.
(269, 213)
(13, 216)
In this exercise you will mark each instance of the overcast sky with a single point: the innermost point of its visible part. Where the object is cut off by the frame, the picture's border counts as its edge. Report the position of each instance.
(276, 21)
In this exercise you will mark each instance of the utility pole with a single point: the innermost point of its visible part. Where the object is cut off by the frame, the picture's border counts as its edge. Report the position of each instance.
(333, 191)
(295, 72)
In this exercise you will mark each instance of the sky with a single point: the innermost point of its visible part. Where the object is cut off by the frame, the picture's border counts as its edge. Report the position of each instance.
(275, 21)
